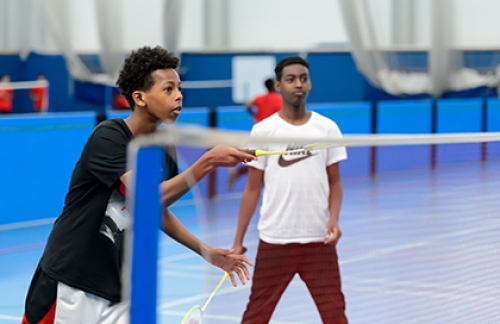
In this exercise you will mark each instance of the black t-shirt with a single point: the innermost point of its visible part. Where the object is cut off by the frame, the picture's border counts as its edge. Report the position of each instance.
(84, 249)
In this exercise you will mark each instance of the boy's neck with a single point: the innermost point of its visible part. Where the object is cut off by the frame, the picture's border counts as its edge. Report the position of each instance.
(295, 115)
(140, 123)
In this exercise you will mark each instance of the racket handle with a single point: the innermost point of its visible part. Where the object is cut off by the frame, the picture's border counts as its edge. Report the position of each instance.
(252, 152)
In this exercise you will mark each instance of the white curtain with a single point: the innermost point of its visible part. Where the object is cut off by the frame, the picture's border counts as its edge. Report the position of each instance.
(110, 22)
(46, 26)
(172, 24)
(374, 51)
(15, 25)
(55, 17)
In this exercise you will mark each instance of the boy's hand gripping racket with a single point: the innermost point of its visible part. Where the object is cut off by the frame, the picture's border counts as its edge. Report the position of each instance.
(195, 314)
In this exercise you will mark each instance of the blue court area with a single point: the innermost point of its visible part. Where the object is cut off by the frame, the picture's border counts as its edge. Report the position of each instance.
(418, 246)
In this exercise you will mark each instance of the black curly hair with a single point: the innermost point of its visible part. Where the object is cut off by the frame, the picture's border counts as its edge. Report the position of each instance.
(136, 71)
(289, 60)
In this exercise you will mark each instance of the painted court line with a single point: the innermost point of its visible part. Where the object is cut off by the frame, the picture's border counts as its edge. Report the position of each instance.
(22, 248)
(226, 318)
(203, 296)
(452, 295)
(11, 318)
(28, 224)
(415, 288)
(411, 245)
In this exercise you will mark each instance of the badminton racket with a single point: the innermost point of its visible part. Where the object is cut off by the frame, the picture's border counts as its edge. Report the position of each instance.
(195, 314)
(301, 150)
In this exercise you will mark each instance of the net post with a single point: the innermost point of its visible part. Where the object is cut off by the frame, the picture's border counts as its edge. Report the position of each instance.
(373, 149)
(484, 128)
(212, 176)
(434, 115)
(146, 211)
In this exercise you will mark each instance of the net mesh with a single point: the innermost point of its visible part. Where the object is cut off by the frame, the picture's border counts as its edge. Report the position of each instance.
(419, 223)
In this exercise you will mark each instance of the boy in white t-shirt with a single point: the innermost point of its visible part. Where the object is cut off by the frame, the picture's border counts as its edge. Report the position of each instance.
(298, 225)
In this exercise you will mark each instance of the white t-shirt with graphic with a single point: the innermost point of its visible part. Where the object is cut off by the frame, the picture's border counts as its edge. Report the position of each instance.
(295, 203)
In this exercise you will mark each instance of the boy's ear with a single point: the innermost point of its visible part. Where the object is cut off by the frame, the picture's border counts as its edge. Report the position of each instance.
(139, 98)
(277, 86)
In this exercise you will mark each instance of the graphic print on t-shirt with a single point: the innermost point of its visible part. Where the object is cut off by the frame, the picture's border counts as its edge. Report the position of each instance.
(116, 218)
(282, 162)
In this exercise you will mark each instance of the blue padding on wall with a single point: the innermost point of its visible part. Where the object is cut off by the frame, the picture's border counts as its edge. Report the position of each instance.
(403, 117)
(210, 67)
(93, 93)
(493, 115)
(352, 118)
(39, 154)
(234, 118)
(196, 116)
(459, 116)
(335, 78)
(54, 69)
(493, 125)
(117, 114)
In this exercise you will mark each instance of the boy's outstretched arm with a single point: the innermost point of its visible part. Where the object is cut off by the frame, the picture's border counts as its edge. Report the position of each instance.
(173, 189)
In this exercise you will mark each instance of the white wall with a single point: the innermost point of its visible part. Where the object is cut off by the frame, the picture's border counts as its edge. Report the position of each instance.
(285, 24)
(142, 23)
(192, 25)
(254, 24)
(83, 26)
(477, 23)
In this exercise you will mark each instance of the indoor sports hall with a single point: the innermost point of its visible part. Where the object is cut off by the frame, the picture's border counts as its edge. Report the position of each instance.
(385, 141)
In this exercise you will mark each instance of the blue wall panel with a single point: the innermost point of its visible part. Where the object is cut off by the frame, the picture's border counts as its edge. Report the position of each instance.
(234, 118)
(403, 117)
(493, 125)
(493, 115)
(38, 157)
(334, 75)
(335, 78)
(54, 69)
(459, 116)
(352, 118)
(197, 116)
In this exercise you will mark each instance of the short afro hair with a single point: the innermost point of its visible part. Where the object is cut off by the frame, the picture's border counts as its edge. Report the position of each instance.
(269, 83)
(289, 60)
(136, 71)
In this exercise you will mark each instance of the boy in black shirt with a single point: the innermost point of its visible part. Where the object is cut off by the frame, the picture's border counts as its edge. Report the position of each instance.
(78, 277)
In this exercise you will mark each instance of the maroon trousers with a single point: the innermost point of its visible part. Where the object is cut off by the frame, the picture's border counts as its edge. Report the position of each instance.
(276, 265)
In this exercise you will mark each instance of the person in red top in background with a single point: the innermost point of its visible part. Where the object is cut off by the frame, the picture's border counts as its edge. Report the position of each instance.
(120, 102)
(40, 95)
(266, 105)
(6, 95)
